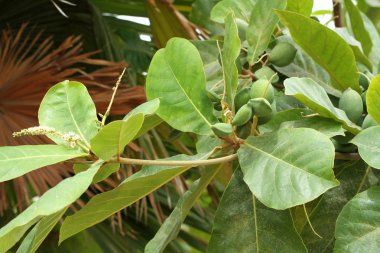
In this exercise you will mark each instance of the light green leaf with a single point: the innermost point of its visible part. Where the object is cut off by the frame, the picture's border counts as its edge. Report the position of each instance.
(289, 167)
(54, 200)
(328, 127)
(303, 7)
(40, 231)
(105, 171)
(112, 139)
(373, 98)
(304, 66)
(315, 97)
(374, 55)
(358, 225)
(172, 225)
(16, 161)
(357, 27)
(355, 46)
(368, 142)
(242, 224)
(261, 26)
(67, 107)
(231, 51)
(324, 213)
(140, 184)
(241, 8)
(326, 47)
(177, 78)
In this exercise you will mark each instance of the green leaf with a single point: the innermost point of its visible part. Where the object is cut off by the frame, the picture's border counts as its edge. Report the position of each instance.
(67, 107)
(374, 55)
(368, 142)
(148, 108)
(304, 66)
(357, 27)
(40, 231)
(54, 200)
(303, 7)
(112, 139)
(16, 161)
(177, 78)
(355, 46)
(328, 127)
(373, 98)
(140, 184)
(172, 225)
(358, 225)
(105, 171)
(325, 212)
(261, 26)
(281, 117)
(315, 97)
(326, 47)
(241, 8)
(231, 51)
(242, 224)
(289, 167)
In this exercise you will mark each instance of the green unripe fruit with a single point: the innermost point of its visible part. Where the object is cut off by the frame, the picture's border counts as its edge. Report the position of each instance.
(262, 89)
(363, 81)
(222, 129)
(344, 148)
(368, 122)
(212, 96)
(260, 107)
(242, 28)
(243, 115)
(282, 54)
(244, 131)
(344, 139)
(242, 97)
(351, 103)
(267, 73)
(364, 98)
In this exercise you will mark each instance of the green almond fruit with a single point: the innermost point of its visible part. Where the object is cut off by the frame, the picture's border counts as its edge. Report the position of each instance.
(243, 115)
(260, 107)
(363, 81)
(351, 103)
(344, 139)
(364, 98)
(344, 148)
(262, 88)
(267, 73)
(282, 54)
(242, 97)
(368, 122)
(242, 26)
(222, 129)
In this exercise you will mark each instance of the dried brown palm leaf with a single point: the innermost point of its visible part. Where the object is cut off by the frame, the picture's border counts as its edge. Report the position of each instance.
(28, 68)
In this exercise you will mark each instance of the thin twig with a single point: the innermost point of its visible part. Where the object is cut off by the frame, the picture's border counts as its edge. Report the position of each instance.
(112, 98)
(337, 9)
(347, 156)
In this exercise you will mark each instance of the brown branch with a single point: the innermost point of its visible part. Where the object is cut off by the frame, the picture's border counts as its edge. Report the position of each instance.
(337, 10)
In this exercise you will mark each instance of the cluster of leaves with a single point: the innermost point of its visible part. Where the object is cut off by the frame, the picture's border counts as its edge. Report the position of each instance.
(292, 190)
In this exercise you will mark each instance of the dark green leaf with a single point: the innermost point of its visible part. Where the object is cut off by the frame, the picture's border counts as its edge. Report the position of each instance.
(242, 224)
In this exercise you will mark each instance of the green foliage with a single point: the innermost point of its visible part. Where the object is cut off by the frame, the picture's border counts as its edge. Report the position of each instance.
(269, 137)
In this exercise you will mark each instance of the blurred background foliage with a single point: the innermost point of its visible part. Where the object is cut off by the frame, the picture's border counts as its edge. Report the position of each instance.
(43, 42)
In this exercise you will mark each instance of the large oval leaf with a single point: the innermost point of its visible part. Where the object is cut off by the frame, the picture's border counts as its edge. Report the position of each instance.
(67, 107)
(368, 142)
(112, 139)
(177, 78)
(241, 9)
(289, 167)
(315, 97)
(358, 225)
(373, 98)
(303, 7)
(54, 200)
(326, 47)
(18, 160)
(242, 224)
